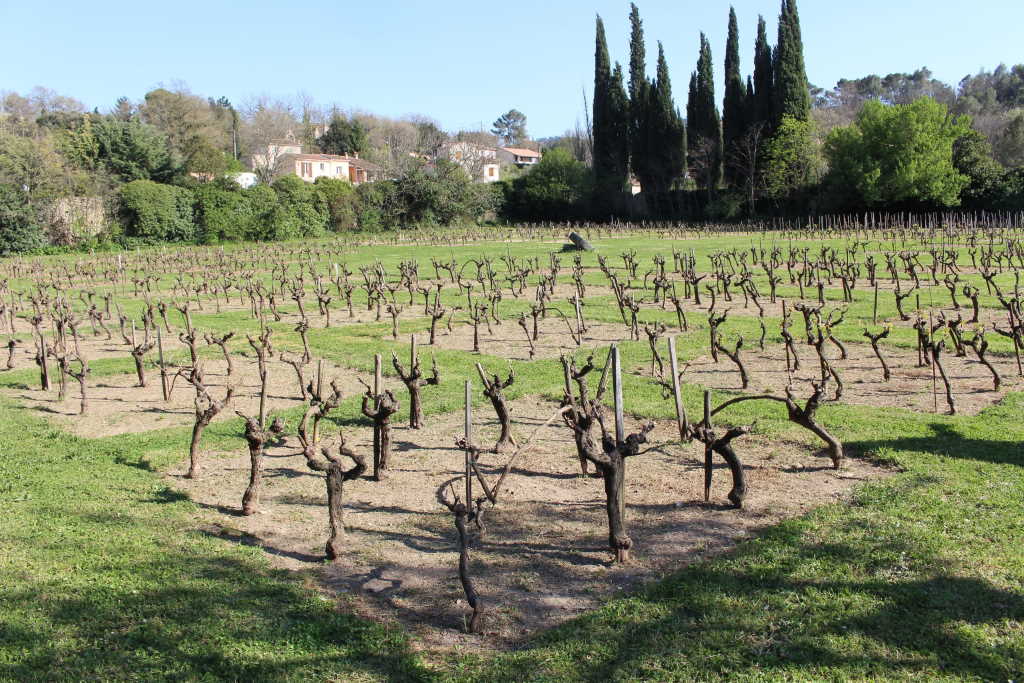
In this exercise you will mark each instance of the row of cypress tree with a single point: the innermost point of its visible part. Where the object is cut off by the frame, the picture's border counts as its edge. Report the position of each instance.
(641, 131)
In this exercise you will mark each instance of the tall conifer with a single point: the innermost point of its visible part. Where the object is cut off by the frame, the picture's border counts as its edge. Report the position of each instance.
(639, 100)
(734, 107)
(667, 131)
(706, 129)
(610, 128)
(792, 95)
(763, 100)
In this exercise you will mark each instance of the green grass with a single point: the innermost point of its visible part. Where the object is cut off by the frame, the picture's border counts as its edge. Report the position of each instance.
(106, 574)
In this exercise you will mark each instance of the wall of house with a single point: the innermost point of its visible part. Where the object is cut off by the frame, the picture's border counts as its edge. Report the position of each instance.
(317, 169)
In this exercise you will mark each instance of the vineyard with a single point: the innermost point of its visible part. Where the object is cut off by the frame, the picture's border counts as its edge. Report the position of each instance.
(790, 449)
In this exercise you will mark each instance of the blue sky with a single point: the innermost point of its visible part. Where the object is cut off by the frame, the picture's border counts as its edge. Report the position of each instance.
(460, 62)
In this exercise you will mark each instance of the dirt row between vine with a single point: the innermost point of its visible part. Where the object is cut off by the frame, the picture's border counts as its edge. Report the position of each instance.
(544, 558)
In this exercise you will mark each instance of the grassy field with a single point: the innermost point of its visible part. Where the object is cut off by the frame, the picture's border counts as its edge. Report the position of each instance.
(106, 576)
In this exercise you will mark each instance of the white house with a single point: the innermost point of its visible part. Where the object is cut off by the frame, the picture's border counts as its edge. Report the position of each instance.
(309, 167)
(480, 162)
(519, 156)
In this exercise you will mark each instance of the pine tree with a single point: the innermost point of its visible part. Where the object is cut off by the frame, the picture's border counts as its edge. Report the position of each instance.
(610, 128)
(734, 107)
(706, 128)
(792, 95)
(763, 100)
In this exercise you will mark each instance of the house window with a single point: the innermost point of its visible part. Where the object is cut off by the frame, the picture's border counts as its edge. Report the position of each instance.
(321, 167)
(307, 169)
(490, 172)
(337, 170)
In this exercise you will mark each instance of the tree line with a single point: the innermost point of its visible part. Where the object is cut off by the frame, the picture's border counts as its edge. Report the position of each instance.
(780, 145)
(157, 169)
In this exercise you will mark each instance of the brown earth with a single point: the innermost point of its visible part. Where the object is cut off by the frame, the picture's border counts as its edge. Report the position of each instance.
(910, 386)
(544, 558)
(118, 406)
(508, 340)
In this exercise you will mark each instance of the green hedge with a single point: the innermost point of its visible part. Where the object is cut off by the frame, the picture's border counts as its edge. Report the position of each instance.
(291, 208)
(154, 212)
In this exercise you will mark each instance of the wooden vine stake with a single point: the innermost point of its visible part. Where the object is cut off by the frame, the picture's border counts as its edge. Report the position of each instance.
(708, 453)
(463, 512)
(468, 433)
(163, 368)
(684, 426)
(931, 346)
(379, 405)
(620, 418)
(874, 312)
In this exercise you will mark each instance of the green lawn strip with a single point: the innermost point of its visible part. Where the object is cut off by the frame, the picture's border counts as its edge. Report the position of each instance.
(920, 577)
(106, 578)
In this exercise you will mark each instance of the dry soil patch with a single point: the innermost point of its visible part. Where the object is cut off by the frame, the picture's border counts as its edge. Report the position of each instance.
(544, 558)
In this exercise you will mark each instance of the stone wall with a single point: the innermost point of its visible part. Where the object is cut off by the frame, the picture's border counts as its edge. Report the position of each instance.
(70, 220)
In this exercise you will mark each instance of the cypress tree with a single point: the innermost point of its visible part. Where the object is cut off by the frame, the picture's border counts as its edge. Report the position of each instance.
(610, 128)
(667, 131)
(619, 125)
(691, 109)
(639, 86)
(763, 100)
(792, 94)
(734, 107)
(706, 128)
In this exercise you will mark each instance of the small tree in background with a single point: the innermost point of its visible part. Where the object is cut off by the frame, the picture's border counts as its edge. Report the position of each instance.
(556, 189)
(510, 127)
(898, 154)
(792, 159)
(345, 137)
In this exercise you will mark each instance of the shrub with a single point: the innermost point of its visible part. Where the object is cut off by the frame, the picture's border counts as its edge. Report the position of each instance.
(377, 206)
(301, 212)
(222, 214)
(342, 201)
(152, 212)
(555, 189)
(20, 230)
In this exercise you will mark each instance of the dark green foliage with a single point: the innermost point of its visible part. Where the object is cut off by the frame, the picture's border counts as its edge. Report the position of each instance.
(344, 136)
(657, 131)
(1008, 195)
(666, 131)
(639, 87)
(791, 90)
(222, 213)
(610, 128)
(438, 195)
(377, 206)
(972, 157)
(152, 212)
(433, 196)
(735, 106)
(992, 91)
(704, 127)
(558, 188)
(763, 98)
(342, 203)
(20, 230)
(510, 127)
(132, 150)
(300, 212)
(896, 88)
